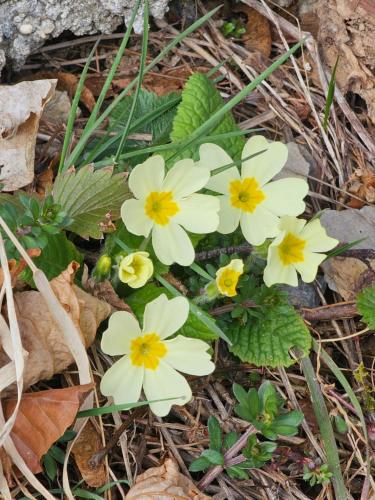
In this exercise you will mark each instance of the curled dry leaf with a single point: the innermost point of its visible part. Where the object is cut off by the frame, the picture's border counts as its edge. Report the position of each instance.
(21, 107)
(41, 337)
(88, 443)
(164, 483)
(42, 419)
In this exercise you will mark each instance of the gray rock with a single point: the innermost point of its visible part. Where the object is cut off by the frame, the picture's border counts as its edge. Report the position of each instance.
(25, 25)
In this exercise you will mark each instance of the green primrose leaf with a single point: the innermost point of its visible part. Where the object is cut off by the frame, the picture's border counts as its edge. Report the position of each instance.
(214, 431)
(366, 306)
(200, 100)
(266, 340)
(236, 472)
(88, 197)
(293, 418)
(230, 439)
(214, 457)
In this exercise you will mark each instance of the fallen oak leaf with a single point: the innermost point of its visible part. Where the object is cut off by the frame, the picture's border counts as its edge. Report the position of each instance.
(164, 483)
(42, 338)
(42, 419)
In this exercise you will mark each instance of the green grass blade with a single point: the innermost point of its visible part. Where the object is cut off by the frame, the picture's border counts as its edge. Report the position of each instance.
(344, 248)
(326, 429)
(330, 94)
(215, 118)
(139, 81)
(73, 111)
(351, 394)
(87, 134)
(113, 69)
(93, 412)
(175, 145)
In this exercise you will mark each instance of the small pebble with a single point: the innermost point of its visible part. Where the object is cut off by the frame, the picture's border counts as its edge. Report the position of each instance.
(26, 29)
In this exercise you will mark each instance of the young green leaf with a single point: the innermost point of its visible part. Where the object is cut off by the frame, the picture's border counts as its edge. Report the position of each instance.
(213, 456)
(215, 434)
(200, 100)
(230, 439)
(199, 464)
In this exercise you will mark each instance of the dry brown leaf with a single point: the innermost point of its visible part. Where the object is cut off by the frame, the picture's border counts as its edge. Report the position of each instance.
(105, 291)
(164, 483)
(68, 82)
(258, 30)
(41, 337)
(42, 419)
(88, 443)
(362, 185)
(349, 275)
(21, 107)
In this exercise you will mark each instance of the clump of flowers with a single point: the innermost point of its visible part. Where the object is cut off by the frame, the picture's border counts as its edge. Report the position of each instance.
(151, 360)
(248, 198)
(167, 205)
(297, 248)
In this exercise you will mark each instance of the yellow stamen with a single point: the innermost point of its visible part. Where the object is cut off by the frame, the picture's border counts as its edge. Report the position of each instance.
(227, 282)
(147, 351)
(291, 249)
(160, 206)
(245, 194)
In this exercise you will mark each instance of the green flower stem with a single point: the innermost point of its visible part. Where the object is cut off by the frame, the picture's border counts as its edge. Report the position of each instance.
(325, 427)
(230, 458)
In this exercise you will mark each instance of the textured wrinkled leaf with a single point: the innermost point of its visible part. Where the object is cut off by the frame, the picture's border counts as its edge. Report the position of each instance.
(193, 327)
(55, 257)
(267, 339)
(42, 418)
(92, 198)
(366, 306)
(200, 100)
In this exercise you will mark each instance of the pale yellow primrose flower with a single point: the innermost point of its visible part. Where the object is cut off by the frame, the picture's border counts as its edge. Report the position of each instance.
(165, 204)
(249, 199)
(136, 269)
(227, 277)
(296, 250)
(149, 361)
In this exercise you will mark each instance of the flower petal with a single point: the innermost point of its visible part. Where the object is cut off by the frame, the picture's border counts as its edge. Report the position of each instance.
(184, 178)
(316, 237)
(189, 356)
(123, 381)
(229, 216)
(265, 165)
(165, 383)
(164, 316)
(285, 196)
(172, 244)
(309, 268)
(292, 225)
(122, 328)
(276, 272)
(219, 183)
(199, 213)
(134, 217)
(147, 177)
(259, 225)
(212, 156)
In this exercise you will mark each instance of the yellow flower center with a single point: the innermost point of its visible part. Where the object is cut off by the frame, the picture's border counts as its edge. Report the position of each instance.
(160, 207)
(147, 351)
(227, 282)
(291, 249)
(245, 194)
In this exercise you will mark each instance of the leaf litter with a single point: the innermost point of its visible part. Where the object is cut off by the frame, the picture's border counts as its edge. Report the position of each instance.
(285, 107)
